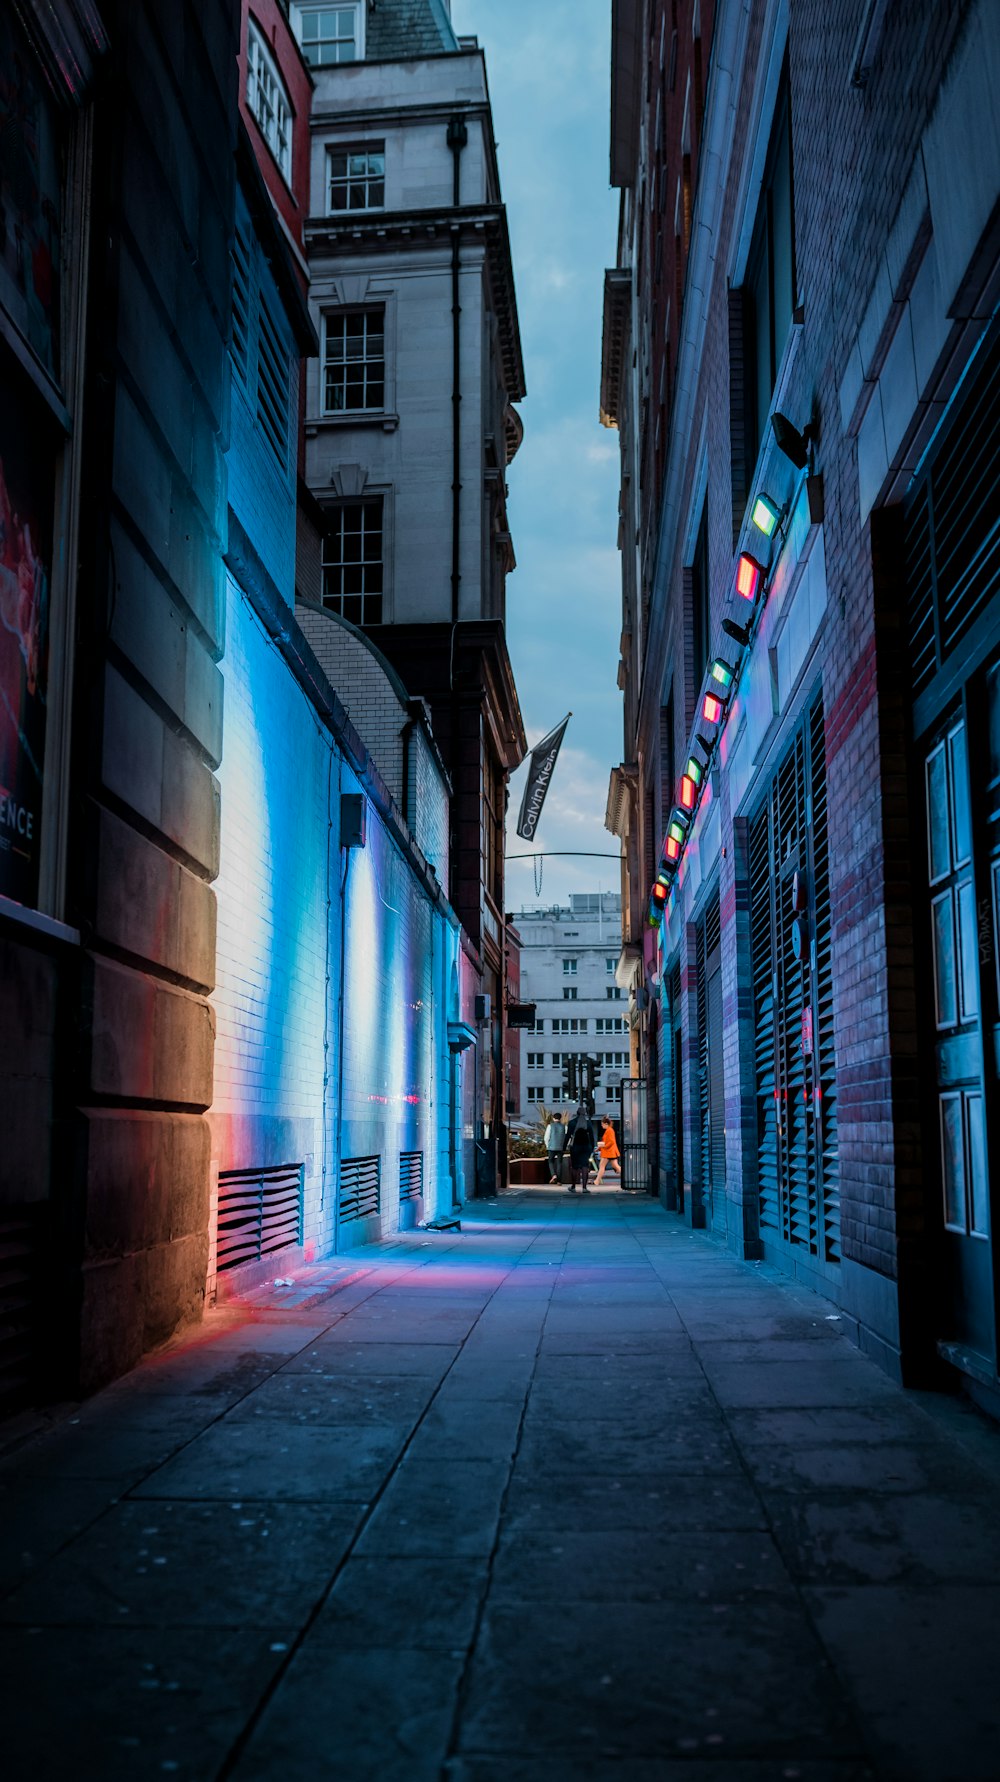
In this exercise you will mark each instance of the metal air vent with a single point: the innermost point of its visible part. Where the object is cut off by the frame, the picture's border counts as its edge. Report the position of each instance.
(360, 1187)
(260, 1210)
(411, 1175)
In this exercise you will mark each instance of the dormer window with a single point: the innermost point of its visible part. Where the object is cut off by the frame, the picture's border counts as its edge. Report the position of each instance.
(268, 100)
(330, 34)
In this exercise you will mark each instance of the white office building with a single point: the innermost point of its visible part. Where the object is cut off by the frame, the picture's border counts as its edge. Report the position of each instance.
(568, 961)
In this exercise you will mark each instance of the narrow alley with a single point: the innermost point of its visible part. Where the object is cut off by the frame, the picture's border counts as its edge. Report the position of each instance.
(569, 1493)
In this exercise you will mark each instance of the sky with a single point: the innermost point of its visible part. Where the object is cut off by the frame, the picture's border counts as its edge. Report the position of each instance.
(549, 68)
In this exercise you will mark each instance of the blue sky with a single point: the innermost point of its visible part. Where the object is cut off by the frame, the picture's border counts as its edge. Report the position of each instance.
(548, 63)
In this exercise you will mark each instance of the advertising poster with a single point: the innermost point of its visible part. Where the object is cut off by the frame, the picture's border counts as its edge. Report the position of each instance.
(26, 484)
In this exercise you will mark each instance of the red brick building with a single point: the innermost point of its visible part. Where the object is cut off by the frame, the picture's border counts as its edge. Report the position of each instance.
(808, 265)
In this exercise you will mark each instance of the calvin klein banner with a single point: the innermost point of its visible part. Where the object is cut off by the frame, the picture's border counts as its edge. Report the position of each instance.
(543, 760)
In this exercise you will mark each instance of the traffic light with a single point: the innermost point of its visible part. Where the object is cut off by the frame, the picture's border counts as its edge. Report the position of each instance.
(571, 1077)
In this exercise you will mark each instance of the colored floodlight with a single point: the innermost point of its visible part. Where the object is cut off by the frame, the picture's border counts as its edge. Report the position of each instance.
(712, 708)
(659, 892)
(694, 770)
(689, 792)
(673, 847)
(676, 831)
(722, 673)
(765, 515)
(748, 576)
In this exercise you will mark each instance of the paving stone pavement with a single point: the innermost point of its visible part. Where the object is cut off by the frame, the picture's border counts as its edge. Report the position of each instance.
(571, 1494)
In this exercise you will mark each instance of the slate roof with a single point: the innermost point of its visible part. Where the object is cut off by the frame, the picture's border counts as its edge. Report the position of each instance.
(400, 29)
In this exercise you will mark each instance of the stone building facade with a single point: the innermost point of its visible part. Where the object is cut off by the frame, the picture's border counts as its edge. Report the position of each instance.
(569, 961)
(237, 1009)
(820, 1100)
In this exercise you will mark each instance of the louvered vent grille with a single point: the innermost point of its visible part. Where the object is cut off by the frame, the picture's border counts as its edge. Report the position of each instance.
(411, 1175)
(260, 1211)
(710, 1062)
(360, 1187)
(793, 1004)
(272, 384)
(18, 1306)
(240, 341)
(953, 524)
(825, 1064)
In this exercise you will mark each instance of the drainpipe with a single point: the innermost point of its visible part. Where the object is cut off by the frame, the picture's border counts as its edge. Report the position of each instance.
(407, 802)
(458, 136)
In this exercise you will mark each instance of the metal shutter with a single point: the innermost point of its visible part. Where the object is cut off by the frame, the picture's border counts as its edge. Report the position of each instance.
(798, 1178)
(952, 542)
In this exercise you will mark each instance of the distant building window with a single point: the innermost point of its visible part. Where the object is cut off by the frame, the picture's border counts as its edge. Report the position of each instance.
(352, 561)
(536, 1060)
(613, 993)
(535, 1092)
(357, 178)
(329, 34)
(353, 361)
(268, 100)
(609, 964)
(569, 967)
(557, 1059)
(569, 993)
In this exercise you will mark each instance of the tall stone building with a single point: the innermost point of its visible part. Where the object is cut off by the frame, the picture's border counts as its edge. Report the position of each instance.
(800, 355)
(569, 962)
(410, 421)
(237, 1008)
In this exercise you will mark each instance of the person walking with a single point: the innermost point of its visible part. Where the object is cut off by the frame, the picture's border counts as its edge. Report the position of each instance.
(581, 1144)
(608, 1151)
(555, 1145)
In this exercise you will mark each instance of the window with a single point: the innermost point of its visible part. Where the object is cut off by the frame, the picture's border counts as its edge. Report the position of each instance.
(700, 607)
(569, 1024)
(569, 965)
(613, 1091)
(352, 561)
(613, 993)
(353, 361)
(492, 816)
(569, 993)
(259, 345)
(329, 34)
(268, 100)
(357, 178)
(610, 1024)
(557, 1059)
(609, 964)
(769, 282)
(536, 1092)
(536, 1060)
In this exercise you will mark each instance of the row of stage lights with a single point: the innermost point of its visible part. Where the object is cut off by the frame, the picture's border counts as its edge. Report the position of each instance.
(751, 576)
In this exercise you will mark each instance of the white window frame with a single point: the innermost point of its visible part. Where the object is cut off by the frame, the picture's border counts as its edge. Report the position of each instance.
(354, 148)
(268, 101)
(332, 315)
(306, 7)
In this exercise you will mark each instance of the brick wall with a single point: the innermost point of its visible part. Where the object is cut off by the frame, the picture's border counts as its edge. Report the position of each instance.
(860, 233)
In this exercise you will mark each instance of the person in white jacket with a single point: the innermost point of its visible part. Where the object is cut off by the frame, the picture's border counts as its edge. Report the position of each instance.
(555, 1145)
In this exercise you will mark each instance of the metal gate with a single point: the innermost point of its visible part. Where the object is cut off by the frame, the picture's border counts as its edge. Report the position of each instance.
(635, 1135)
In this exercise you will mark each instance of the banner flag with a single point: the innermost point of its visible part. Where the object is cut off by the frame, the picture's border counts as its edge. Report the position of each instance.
(543, 760)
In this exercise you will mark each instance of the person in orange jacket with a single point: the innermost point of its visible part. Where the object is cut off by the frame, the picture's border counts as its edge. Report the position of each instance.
(607, 1151)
